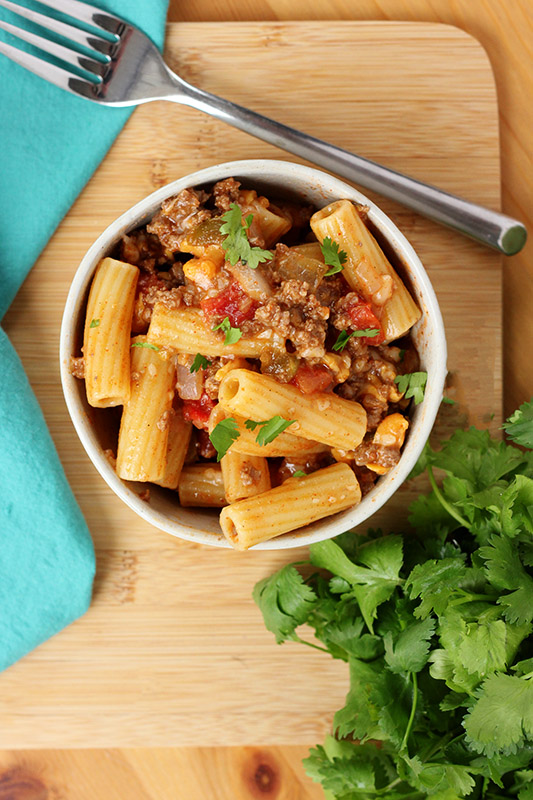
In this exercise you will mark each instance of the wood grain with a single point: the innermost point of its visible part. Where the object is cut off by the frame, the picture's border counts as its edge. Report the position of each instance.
(223, 773)
(173, 650)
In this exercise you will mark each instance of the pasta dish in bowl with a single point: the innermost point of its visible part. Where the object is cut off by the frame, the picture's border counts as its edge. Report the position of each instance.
(257, 338)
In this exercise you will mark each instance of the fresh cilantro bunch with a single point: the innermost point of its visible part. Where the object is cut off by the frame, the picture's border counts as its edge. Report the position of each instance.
(436, 629)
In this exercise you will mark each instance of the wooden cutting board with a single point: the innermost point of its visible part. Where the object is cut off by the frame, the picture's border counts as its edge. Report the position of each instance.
(173, 650)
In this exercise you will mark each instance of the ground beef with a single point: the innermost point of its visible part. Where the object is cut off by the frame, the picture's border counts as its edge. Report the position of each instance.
(331, 290)
(144, 250)
(77, 367)
(225, 193)
(371, 382)
(152, 290)
(308, 464)
(370, 453)
(366, 479)
(178, 215)
(340, 318)
(297, 315)
(204, 448)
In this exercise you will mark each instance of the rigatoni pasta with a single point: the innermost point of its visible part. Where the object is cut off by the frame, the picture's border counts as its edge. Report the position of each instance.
(367, 270)
(144, 428)
(244, 476)
(106, 338)
(202, 485)
(297, 502)
(261, 354)
(322, 417)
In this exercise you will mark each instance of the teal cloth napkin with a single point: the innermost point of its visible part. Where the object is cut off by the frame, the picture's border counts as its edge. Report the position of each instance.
(50, 144)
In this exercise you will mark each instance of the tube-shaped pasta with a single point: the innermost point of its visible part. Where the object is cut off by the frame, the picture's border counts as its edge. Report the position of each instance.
(144, 428)
(185, 330)
(179, 436)
(244, 476)
(365, 266)
(202, 485)
(106, 339)
(322, 416)
(297, 502)
(283, 445)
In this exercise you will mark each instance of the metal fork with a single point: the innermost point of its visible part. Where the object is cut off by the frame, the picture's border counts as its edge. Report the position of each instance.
(128, 70)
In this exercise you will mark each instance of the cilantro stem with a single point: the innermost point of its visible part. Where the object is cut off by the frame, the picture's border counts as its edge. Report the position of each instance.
(471, 598)
(412, 714)
(310, 644)
(444, 503)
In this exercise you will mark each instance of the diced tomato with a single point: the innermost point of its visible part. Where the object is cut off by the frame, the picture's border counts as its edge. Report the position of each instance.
(198, 411)
(310, 379)
(363, 317)
(232, 303)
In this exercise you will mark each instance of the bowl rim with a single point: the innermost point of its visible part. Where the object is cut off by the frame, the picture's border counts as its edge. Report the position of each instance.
(276, 171)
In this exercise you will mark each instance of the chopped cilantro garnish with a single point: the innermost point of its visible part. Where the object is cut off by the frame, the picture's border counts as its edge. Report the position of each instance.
(333, 257)
(299, 474)
(412, 384)
(344, 337)
(269, 429)
(94, 323)
(148, 345)
(232, 334)
(200, 362)
(236, 243)
(223, 435)
(449, 401)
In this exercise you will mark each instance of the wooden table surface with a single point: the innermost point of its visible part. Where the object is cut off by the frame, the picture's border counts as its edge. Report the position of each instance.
(506, 31)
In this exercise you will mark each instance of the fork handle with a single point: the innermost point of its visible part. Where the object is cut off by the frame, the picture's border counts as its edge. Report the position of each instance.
(489, 227)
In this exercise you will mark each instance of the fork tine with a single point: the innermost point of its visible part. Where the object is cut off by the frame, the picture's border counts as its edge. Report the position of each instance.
(55, 49)
(93, 41)
(86, 13)
(56, 75)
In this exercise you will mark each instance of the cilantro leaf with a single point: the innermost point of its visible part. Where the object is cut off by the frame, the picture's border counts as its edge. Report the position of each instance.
(232, 334)
(333, 257)
(299, 474)
(502, 718)
(371, 584)
(434, 582)
(269, 428)
(200, 362)
(519, 426)
(412, 384)
(344, 337)
(285, 602)
(236, 244)
(449, 401)
(223, 435)
(505, 572)
(94, 323)
(148, 345)
(408, 652)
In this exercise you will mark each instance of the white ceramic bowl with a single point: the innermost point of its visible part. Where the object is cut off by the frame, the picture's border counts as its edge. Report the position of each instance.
(307, 185)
